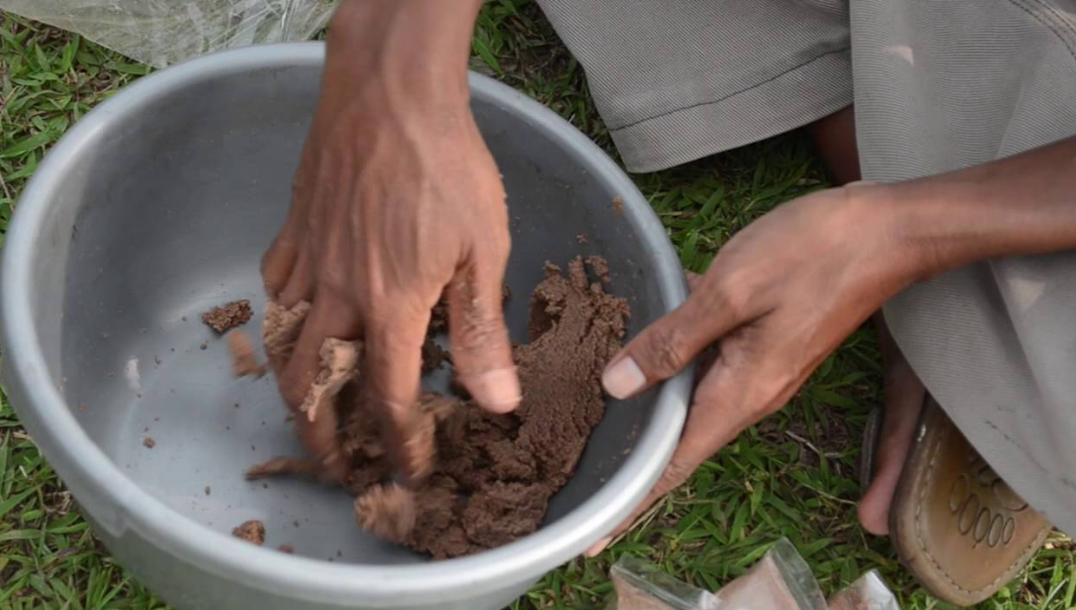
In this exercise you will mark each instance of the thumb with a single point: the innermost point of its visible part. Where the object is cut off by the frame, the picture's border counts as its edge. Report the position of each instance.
(667, 346)
(481, 351)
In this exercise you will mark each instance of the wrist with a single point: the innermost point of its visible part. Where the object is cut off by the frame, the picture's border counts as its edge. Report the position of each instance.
(1020, 205)
(898, 252)
(415, 51)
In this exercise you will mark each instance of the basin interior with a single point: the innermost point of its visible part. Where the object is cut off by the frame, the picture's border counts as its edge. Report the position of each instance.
(170, 212)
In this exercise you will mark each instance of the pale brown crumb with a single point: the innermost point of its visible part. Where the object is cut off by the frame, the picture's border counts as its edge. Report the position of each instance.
(281, 465)
(149, 442)
(252, 531)
(228, 316)
(244, 358)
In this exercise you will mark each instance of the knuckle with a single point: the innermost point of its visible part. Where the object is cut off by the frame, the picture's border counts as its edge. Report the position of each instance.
(332, 282)
(732, 299)
(666, 351)
(478, 332)
(395, 328)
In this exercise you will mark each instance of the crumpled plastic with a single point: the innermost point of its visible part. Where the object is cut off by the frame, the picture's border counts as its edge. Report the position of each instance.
(640, 585)
(868, 593)
(781, 580)
(165, 32)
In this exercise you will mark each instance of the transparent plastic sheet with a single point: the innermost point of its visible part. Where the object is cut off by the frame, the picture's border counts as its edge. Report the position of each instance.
(641, 585)
(868, 593)
(165, 32)
(781, 580)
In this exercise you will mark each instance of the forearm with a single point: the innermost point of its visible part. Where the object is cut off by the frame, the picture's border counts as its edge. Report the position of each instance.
(407, 49)
(1024, 204)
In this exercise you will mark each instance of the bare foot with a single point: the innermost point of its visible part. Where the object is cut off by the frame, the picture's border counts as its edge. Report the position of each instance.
(904, 396)
(835, 138)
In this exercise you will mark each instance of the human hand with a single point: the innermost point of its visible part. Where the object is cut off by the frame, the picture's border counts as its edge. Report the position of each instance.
(396, 200)
(778, 299)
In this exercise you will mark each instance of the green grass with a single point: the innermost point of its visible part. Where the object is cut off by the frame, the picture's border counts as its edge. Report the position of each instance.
(793, 475)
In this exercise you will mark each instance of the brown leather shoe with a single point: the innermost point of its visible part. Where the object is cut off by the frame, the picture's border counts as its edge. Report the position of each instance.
(957, 527)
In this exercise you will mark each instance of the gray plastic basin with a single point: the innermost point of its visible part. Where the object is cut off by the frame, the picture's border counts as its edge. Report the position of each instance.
(157, 206)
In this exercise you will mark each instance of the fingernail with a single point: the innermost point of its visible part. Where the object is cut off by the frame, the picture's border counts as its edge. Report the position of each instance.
(597, 547)
(498, 390)
(624, 378)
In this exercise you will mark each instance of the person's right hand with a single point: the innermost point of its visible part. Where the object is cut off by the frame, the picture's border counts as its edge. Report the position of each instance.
(396, 201)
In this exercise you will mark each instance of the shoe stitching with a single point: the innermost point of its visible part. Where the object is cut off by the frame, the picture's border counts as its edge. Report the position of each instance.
(1009, 572)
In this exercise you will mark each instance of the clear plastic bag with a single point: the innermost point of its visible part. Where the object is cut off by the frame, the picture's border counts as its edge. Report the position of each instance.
(868, 593)
(640, 585)
(781, 580)
(165, 32)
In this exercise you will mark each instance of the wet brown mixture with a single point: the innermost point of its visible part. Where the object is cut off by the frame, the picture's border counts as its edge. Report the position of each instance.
(493, 475)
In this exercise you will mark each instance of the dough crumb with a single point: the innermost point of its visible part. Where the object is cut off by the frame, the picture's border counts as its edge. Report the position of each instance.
(252, 531)
(149, 442)
(228, 316)
(281, 465)
(600, 267)
(244, 358)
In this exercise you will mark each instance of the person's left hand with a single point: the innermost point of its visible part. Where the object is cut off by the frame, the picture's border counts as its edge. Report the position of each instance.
(778, 299)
